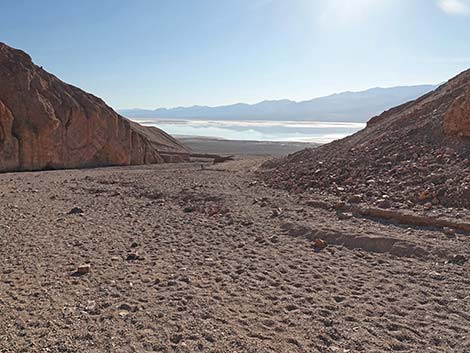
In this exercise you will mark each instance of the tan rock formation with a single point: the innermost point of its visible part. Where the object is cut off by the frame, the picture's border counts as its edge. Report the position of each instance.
(457, 118)
(48, 124)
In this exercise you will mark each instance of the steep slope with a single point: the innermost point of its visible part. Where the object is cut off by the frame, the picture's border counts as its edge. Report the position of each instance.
(344, 107)
(416, 153)
(48, 124)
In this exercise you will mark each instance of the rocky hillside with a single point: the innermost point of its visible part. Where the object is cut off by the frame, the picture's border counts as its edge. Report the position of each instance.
(48, 124)
(415, 154)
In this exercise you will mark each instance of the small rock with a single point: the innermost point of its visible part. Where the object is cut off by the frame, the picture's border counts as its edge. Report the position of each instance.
(133, 256)
(319, 244)
(176, 339)
(259, 239)
(449, 232)
(355, 199)
(274, 239)
(127, 307)
(458, 260)
(424, 195)
(384, 203)
(188, 209)
(83, 269)
(344, 215)
(291, 307)
(75, 210)
(436, 275)
(340, 205)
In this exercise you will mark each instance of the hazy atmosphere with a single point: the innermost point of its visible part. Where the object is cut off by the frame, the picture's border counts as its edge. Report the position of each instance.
(151, 54)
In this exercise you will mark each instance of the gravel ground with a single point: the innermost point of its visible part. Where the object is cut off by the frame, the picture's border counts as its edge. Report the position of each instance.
(176, 258)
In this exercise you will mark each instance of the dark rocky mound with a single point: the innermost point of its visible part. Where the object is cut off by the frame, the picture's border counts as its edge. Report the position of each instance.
(416, 153)
(48, 124)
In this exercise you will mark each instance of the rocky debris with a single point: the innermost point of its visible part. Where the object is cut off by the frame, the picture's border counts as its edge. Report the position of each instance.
(416, 154)
(48, 124)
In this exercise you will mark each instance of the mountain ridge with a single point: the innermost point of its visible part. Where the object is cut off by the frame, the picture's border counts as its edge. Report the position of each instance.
(344, 106)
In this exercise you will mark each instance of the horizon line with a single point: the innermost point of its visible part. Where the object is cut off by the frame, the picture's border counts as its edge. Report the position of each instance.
(281, 99)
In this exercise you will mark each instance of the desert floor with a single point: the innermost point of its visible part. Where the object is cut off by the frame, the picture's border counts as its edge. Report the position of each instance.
(185, 259)
(243, 148)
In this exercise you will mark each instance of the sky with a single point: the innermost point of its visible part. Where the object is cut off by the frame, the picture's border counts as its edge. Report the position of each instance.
(168, 53)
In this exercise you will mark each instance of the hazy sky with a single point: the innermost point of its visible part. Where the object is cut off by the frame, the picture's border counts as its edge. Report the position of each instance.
(153, 53)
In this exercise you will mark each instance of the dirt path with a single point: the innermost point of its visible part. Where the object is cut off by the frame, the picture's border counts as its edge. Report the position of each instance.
(191, 260)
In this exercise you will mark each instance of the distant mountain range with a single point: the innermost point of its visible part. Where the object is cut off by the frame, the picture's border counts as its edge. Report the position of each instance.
(343, 107)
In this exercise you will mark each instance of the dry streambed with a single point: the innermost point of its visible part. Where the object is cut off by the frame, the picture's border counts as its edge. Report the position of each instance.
(177, 259)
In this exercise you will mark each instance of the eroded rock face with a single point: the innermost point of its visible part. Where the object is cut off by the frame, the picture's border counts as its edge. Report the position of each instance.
(48, 124)
(457, 118)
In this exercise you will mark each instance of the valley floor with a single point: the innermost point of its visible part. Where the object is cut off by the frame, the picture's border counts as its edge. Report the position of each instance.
(185, 259)
(240, 148)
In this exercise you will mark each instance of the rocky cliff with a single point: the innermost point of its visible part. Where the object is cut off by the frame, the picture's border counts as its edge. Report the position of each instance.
(414, 154)
(48, 124)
